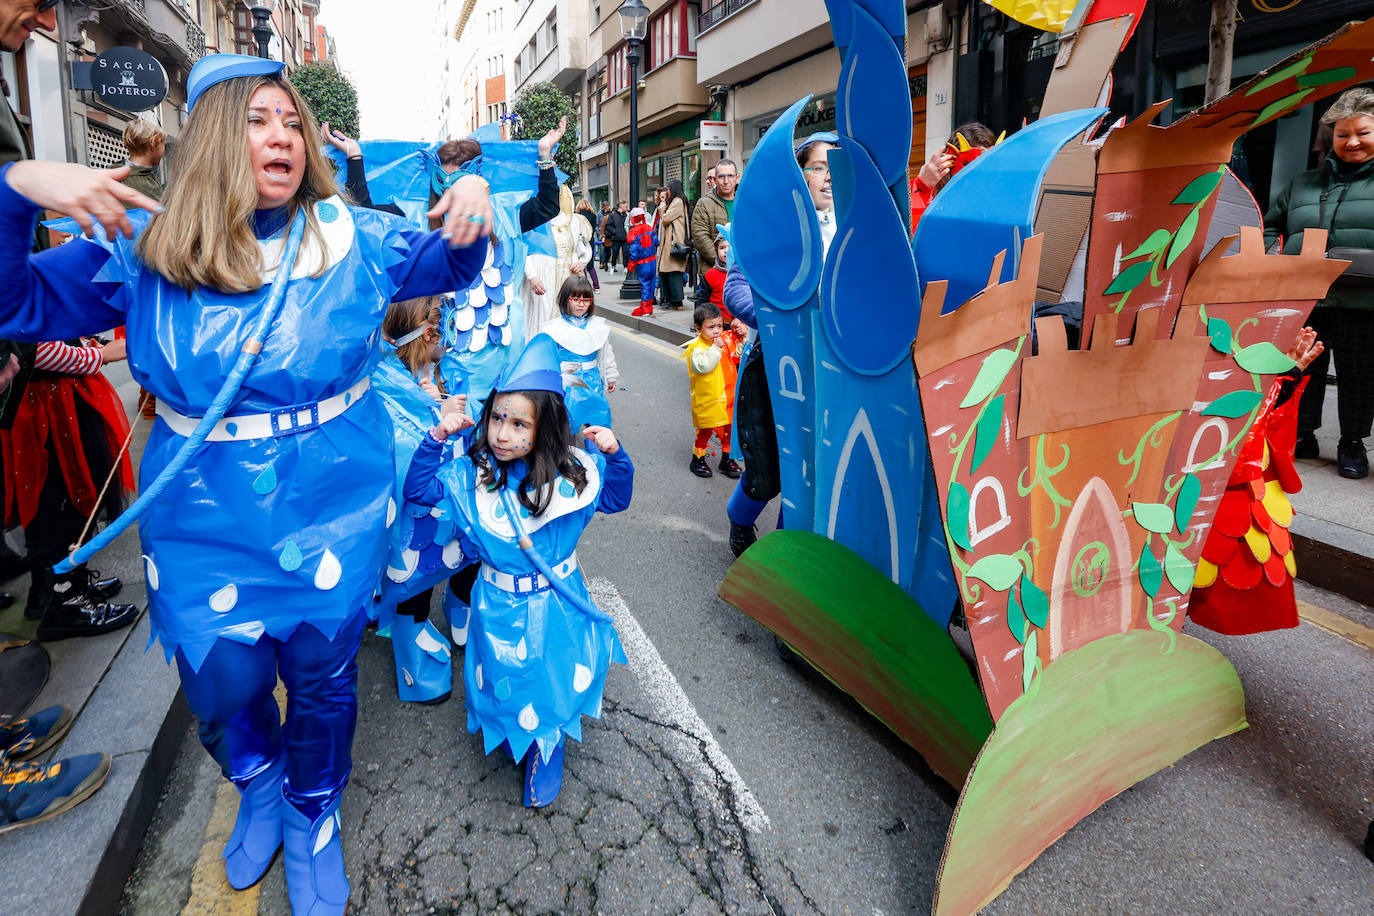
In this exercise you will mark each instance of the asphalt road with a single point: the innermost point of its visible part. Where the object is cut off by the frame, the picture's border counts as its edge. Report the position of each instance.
(724, 779)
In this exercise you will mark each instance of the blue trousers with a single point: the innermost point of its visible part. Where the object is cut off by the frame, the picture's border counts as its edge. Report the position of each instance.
(240, 725)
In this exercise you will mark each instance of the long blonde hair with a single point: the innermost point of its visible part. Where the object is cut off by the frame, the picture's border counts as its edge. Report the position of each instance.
(205, 237)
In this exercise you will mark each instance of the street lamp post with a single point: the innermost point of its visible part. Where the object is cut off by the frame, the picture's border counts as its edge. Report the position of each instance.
(262, 25)
(634, 23)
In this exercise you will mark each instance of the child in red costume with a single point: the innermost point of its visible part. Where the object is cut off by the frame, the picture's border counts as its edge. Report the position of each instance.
(1244, 581)
(968, 142)
(643, 247)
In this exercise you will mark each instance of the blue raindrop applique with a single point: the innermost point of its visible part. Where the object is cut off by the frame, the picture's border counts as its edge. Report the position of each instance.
(291, 557)
(327, 211)
(566, 488)
(231, 428)
(265, 482)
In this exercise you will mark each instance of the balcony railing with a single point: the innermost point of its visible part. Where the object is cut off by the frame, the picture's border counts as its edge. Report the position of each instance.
(722, 10)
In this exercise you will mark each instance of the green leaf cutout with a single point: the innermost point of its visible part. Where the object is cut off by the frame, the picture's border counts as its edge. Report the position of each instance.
(1155, 517)
(1232, 404)
(1183, 238)
(1034, 602)
(1273, 79)
(1157, 240)
(1282, 105)
(956, 508)
(1220, 332)
(1188, 493)
(1151, 573)
(1199, 188)
(1129, 278)
(990, 376)
(1326, 77)
(1179, 569)
(1016, 618)
(988, 432)
(999, 570)
(1263, 357)
(1028, 656)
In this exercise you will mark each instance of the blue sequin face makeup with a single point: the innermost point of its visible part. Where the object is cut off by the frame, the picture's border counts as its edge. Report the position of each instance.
(512, 427)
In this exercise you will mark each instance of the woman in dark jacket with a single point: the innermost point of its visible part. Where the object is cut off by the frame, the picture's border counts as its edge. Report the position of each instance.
(1338, 196)
(673, 216)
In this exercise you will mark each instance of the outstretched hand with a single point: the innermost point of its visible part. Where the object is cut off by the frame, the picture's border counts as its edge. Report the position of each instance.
(451, 424)
(88, 196)
(465, 211)
(340, 141)
(602, 438)
(1305, 349)
(550, 139)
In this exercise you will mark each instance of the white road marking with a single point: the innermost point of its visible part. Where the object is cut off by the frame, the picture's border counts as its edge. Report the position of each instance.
(673, 705)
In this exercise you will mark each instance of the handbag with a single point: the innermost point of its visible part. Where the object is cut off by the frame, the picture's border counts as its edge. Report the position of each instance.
(1361, 269)
(682, 250)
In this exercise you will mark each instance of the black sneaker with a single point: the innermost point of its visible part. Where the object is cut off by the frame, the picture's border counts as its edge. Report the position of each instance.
(699, 467)
(81, 615)
(1351, 460)
(30, 736)
(1306, 446)
(729, 467)
(33, 792)
(741, 538)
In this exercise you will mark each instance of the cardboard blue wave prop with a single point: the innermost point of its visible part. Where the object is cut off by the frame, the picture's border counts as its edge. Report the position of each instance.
(873, 100)
(991, 208)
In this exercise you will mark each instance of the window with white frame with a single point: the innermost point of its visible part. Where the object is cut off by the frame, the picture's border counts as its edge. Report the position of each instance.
(551, 29)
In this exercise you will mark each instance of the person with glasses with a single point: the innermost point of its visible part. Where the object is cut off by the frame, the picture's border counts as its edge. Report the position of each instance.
(716, 208)
(753, 433)
(584, 355)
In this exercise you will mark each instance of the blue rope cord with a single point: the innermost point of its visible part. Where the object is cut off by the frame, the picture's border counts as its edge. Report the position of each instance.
(582, 604)
(230, 388)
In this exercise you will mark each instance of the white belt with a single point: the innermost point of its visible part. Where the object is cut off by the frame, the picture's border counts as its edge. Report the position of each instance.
(284, 422)
(571, 368)
(526, 583)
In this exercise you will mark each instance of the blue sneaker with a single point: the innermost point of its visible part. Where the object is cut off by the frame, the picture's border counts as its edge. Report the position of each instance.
(543, 780)
(30, 736)
(424, 661)
(33, 792)
(257, 830)
(315, 879)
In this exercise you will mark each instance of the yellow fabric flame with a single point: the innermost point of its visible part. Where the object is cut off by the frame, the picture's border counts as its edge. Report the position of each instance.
(1046, 15)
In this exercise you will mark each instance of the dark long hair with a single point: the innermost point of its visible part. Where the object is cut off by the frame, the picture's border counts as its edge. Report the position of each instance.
(550, 458)
(675, 192)
(576, 285)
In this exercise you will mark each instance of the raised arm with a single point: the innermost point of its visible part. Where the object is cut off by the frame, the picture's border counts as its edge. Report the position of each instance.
(53, 295)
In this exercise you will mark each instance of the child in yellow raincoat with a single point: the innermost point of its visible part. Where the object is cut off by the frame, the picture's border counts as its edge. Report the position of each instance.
(710, 410)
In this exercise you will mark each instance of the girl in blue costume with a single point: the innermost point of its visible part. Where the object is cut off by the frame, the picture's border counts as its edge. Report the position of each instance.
(264, 551)
(584, 354)
(424, 551)
(539, 650)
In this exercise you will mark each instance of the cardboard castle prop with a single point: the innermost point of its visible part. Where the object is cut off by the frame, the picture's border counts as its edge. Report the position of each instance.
(940, 446)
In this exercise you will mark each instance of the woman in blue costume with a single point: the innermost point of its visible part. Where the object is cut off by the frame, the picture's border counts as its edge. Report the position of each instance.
(539, 650)
(280, 518)
(584, 354)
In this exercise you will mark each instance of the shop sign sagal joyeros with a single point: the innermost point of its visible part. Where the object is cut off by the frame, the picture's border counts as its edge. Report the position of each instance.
(128, 79)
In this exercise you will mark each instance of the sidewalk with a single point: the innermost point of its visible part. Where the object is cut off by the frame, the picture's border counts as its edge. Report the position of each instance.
(127, 704)
(1334, 525)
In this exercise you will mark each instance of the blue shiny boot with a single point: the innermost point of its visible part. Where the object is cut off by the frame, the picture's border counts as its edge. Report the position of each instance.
(543, 780)
(315, 879)
(459, 615)
(257, 830)
(424, 666)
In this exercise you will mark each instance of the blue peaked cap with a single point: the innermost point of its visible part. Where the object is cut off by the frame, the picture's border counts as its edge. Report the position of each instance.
(535, 369)
(216, 68)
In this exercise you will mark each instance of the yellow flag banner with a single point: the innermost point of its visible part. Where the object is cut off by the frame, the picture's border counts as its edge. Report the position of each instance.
(1047, 15)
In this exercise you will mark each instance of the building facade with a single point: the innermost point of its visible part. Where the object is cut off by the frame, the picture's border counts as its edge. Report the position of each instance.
(475, 36)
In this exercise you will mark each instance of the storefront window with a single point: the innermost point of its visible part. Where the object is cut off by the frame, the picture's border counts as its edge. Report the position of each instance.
(691, 175)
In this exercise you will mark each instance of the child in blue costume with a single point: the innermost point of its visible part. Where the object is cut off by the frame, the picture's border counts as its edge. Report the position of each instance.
(539, 650)
(584, 354)
(263, 553)
(424, 550)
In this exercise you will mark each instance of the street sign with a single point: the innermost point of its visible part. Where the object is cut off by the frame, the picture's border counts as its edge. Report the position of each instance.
(128, 79)
(715, 135)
